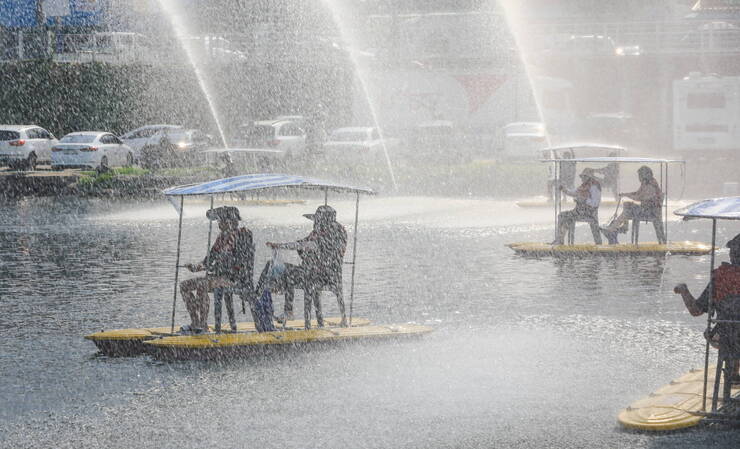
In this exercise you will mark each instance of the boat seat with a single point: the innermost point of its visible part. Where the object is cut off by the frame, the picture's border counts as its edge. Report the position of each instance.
(657, 224)
(593, 223)
(727, 331)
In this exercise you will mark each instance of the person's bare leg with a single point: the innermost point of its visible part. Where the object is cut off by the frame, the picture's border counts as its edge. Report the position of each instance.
(340, 302)
(307, 307)
(186, 291)
(316, 297)
(203, 304)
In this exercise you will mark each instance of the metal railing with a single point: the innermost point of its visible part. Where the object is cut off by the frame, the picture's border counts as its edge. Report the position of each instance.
(274, 42)
(651, 37)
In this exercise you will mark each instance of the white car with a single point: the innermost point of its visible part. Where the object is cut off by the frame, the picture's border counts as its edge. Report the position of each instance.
(282, 135)
(146, 135)
(362, 142)
(93, 149)
(23, 146)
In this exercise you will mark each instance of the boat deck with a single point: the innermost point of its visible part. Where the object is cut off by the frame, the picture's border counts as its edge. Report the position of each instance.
(687, 248)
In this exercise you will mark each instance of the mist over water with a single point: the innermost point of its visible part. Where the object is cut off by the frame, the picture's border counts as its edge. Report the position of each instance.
(525, 353)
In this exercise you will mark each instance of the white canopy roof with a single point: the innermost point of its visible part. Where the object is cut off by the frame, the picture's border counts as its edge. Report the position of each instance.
(262, 181)
(717, 208)
(639, 160)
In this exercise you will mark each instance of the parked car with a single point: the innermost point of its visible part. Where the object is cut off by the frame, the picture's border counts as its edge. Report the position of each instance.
(362, 141)
(91, 149)
(23, 146)
(523, 139)
(140, 137)
(283, 135)
(175, 147)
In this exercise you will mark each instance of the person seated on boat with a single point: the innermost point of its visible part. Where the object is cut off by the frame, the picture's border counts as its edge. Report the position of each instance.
(229, 265)
(587, 197)
(650, 197)
(611, 175)
(724, 283)
(322, 256)
(567, 176)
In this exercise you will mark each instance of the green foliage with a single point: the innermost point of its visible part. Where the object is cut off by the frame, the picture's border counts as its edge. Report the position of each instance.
(66, 97)
(130, 171)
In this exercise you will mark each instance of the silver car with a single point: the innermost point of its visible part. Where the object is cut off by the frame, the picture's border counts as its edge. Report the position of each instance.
(146, 135)
(24, 146)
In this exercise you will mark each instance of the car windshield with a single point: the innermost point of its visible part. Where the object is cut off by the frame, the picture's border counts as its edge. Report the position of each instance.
(349, 136)
(9, 135)
(78, 138)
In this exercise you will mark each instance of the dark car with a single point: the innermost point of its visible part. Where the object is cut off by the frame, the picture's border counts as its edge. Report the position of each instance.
(175, 147)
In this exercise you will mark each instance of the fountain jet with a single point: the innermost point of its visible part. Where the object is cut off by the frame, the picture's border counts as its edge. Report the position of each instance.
(172, 12)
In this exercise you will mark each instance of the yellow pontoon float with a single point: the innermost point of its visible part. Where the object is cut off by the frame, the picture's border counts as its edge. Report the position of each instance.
(577, 150)
(130, 342)
(167, 343)
(635, 248)
(683, 402)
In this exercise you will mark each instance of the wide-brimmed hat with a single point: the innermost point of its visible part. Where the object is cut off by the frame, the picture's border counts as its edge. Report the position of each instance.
(326, 213)
(223, 213)
(589, 173)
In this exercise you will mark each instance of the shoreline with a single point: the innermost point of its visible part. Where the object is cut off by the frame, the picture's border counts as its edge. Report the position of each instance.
(47, 183)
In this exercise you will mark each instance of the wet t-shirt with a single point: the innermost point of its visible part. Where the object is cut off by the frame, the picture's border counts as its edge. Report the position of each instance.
(650, 195)
(232, 256)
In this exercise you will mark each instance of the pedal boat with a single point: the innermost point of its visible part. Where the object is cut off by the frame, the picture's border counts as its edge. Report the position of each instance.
(130, 342)
(683, 402)
(687, 248)
(164, 342)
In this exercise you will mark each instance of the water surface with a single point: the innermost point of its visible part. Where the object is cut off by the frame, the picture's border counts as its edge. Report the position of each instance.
(526, 352)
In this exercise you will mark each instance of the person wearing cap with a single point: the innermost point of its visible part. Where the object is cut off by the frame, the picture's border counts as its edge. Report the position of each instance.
(587, 197)
(724, 283)
(322, 256)
(229, 265)
(650, 198)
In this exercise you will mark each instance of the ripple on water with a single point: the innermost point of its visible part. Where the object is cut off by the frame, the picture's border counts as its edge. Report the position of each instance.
(526, 352)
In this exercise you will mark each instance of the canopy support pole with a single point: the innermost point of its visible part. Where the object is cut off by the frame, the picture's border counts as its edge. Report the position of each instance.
(326, 197)
(710, 310)
(177, 264)
(354, 259)
(666, 205)
(557, 198)
(210, 230)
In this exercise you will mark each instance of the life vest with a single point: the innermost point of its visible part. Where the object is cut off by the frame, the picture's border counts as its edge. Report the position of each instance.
(726, 279)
